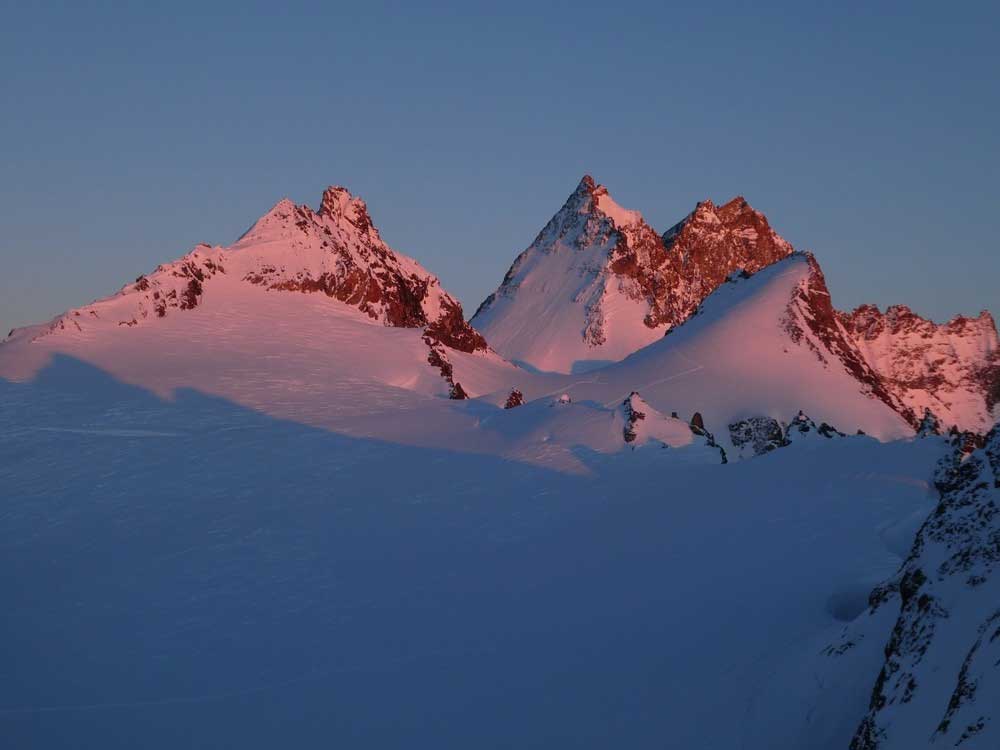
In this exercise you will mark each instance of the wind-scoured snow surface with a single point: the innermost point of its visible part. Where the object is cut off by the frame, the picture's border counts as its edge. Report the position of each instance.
(191, 572)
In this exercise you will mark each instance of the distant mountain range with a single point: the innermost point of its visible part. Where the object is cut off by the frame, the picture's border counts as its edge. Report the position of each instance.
(597, 285)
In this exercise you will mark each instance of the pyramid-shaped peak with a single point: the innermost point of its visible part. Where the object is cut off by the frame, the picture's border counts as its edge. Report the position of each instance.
(592, 197)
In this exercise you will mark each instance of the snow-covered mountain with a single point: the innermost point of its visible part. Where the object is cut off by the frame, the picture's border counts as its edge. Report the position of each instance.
(311, 316)
(761, 348)
(335, 251)
(766, 345)
(302, 297)
(606, 284)
(953, 368)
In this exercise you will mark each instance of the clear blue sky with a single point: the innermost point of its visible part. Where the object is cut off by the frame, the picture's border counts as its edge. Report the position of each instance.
(867, 132)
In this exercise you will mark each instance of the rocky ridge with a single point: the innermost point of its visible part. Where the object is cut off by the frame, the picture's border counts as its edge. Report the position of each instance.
(940, 682)
(951, 368)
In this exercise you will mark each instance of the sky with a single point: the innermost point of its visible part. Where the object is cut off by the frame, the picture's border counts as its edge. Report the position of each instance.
(867, 132)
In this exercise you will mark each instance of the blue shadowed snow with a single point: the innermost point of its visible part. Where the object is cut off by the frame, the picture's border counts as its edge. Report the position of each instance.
(189, 573)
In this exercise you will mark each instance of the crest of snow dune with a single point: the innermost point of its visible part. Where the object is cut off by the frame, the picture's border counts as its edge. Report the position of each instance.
(607, 284)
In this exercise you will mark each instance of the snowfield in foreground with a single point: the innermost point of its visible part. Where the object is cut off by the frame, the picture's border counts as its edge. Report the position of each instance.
(189, 572)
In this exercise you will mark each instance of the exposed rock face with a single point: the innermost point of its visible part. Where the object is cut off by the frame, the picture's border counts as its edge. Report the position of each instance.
(803, 427)
(608, 284)
(757, 435)
(940, 683)
(707, 247)
(952, 368)
(173, 286)
(811, 321)
(335, 251)
(908, 363)
(632, 415)
(515, 399)
(929, 424)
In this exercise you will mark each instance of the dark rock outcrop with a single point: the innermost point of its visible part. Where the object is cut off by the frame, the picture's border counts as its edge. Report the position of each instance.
(632, 415)
(757, 435)
(803, 426)
(514, 399)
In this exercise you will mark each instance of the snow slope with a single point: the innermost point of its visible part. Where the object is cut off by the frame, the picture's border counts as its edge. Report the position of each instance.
(191, 573)
(306, 357)
(315, 360)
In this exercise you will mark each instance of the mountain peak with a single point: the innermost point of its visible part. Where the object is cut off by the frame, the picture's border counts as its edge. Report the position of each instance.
(734, 208)
(609, 284)
(336, 252)
(620, 217)
(338, 204)
(590, 197)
